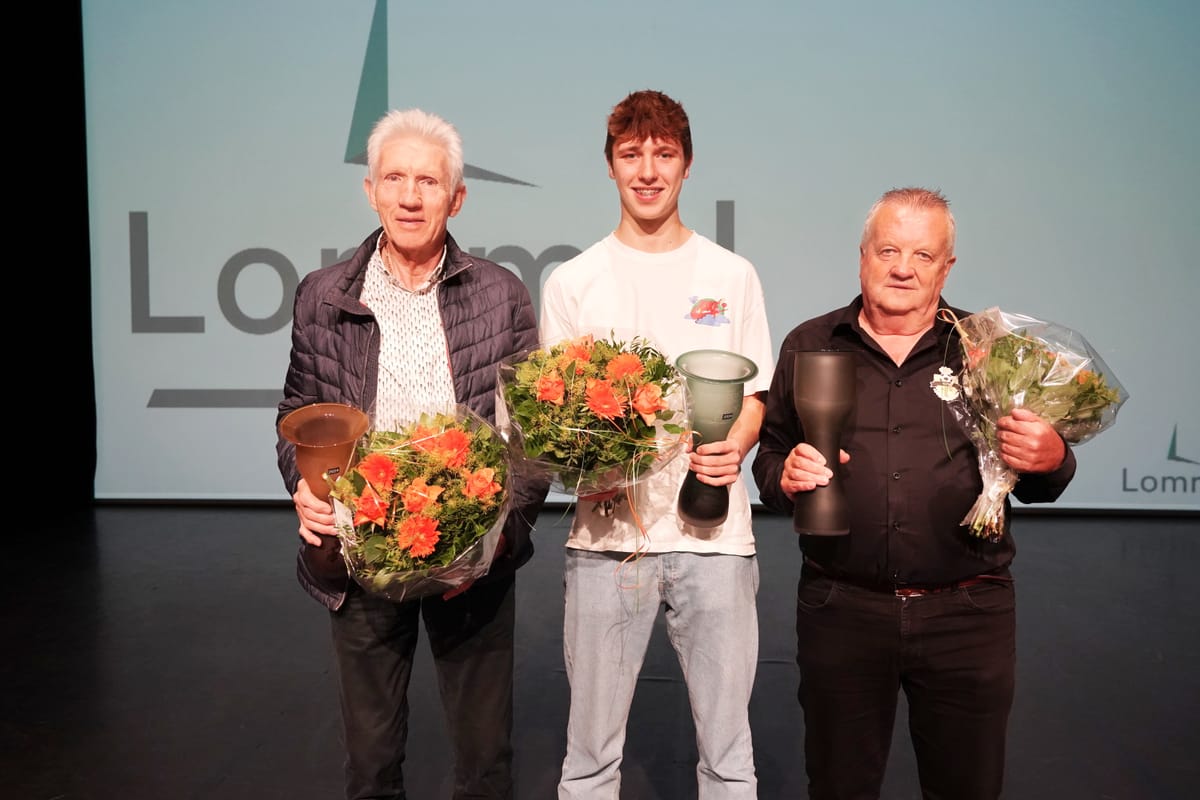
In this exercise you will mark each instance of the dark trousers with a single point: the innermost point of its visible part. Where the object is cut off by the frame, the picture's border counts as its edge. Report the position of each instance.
(471, 638)
(953, 654)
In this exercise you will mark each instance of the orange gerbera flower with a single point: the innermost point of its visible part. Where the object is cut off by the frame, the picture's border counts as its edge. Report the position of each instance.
(602, 399)
(551, 388)
(422, 438)
(451, 446)
(419, 495)
(379, 470)
(370, 508)
(481, 483)
(647, 400)
(624, 365)
(418, 535)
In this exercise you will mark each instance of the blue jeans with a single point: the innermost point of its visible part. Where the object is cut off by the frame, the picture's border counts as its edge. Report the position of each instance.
(712, 622)
(471, 637)
(952, 653)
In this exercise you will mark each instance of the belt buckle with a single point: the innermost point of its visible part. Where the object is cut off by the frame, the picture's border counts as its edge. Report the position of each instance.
(906, 592)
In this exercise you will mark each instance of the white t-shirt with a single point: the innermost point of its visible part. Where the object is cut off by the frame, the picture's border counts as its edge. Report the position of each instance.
(698, 296)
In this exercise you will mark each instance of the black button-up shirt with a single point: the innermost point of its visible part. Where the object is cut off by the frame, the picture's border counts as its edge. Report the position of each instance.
(913, 472)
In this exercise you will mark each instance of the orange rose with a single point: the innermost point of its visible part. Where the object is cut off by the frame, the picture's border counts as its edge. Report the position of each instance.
(551, 388)
(480, 484)
(647, 400)
(418, 495)
(577, 350)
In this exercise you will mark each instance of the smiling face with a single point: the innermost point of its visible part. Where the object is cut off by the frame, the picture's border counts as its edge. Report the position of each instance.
(903, 262)
(413, 196)
(649, 174)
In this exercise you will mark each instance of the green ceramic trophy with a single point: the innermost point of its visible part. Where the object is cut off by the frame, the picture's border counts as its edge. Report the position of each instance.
(715, 381)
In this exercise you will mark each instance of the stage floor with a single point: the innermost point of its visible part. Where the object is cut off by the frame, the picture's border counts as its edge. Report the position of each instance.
(156, 651)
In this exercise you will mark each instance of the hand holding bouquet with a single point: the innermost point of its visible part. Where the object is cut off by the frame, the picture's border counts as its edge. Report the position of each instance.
(594, 414)
(422, 510)
(1014, 361)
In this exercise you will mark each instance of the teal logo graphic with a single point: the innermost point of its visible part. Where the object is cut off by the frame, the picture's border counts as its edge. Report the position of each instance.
(1173, 449)
(372, 101)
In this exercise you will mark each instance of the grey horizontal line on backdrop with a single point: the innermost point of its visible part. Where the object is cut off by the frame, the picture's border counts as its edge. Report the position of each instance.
(215, 398)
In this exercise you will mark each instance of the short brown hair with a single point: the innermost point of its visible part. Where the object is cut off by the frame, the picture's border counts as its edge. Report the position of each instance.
(648, 114)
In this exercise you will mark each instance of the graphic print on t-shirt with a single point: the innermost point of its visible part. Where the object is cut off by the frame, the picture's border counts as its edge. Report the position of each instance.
(707, 311)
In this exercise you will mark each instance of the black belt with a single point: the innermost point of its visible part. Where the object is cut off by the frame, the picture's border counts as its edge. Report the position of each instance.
(909, 591)
(921, 591)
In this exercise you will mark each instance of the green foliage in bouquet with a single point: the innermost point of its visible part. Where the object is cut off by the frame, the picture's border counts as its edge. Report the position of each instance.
(593, 412)
(1019, 371)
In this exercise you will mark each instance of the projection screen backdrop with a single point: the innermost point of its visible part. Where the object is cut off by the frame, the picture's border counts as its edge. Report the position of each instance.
(224, 142)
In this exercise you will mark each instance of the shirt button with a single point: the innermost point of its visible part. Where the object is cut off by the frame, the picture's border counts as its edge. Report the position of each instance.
(896, 429)
(895, 526)
(899, 382)
(895, 476)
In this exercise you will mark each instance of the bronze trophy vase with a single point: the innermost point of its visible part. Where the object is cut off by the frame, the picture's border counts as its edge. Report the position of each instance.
(824, 393)
(325, 435)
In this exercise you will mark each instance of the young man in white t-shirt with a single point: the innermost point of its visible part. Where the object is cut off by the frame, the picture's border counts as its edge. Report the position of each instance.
(655, 278)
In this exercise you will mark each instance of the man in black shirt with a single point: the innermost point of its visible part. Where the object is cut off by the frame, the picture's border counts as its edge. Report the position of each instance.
(909, 598)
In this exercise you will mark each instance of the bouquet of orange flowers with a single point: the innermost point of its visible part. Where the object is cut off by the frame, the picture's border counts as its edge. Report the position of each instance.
(594, 414)
(1014, 361)
(422, 510)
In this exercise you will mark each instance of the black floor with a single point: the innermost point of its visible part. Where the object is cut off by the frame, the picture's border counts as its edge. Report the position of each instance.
(167, 652)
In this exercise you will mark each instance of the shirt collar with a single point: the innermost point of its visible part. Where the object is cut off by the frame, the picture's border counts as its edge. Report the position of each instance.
(434, 278)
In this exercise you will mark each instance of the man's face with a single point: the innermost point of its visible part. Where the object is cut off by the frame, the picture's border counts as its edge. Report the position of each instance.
(904, 262)
(412, 196)
(649, 176)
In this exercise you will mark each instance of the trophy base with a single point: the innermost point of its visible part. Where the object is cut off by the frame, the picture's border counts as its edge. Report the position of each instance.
(701, 505)
(813, 532)
(821, 512)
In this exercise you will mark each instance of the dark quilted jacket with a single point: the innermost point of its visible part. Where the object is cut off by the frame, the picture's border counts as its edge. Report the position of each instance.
(487, 314)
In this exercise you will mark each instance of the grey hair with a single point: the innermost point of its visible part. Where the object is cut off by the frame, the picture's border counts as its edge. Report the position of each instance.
(415, 122)
(913, 197)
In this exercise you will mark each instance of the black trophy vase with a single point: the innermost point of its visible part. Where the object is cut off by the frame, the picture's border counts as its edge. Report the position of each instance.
(824, 392)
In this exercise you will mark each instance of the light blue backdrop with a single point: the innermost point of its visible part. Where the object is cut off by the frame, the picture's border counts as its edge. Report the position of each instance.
(1063, 133)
